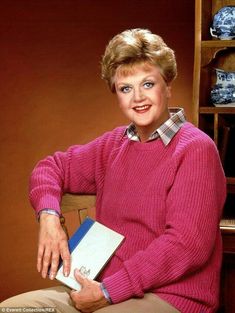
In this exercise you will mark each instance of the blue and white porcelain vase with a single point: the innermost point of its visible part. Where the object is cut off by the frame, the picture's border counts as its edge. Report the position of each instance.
(223, 26)
(223, 92)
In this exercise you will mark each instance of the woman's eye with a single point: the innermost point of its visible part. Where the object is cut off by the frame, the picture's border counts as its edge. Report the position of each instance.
(148, 85)
(125, 89)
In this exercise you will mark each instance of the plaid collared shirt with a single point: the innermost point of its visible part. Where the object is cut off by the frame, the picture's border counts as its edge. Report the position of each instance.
(166, 131)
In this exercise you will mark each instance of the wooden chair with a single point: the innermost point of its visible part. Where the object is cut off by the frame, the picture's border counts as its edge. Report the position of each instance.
(82, 204)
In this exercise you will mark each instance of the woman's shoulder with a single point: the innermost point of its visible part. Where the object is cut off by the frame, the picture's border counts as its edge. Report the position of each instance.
(191, 137)
(114, 135)
(191, 133)
(108, 140)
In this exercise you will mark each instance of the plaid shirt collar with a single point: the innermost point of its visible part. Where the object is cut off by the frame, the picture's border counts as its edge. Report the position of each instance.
(166, 131)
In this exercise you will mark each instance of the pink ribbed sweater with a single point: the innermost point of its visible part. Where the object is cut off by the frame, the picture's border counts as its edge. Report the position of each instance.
(167, 201)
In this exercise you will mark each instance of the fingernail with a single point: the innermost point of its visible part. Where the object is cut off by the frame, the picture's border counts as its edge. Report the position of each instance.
(52, 276)
(66, 273)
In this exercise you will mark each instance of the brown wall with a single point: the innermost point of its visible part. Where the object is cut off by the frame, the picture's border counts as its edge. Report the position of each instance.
(52, 97)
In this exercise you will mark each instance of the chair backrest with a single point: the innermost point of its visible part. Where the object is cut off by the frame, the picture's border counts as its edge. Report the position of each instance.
(82, 204)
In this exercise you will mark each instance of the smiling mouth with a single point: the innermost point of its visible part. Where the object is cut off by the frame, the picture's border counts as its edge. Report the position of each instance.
(142, 108)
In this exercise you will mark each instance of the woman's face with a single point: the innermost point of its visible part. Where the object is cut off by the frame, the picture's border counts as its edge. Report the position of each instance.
(143, 97)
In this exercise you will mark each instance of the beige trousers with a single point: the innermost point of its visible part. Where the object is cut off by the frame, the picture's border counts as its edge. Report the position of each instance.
(58, 298)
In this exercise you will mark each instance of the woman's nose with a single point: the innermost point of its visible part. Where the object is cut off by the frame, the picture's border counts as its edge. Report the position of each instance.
(138, 95)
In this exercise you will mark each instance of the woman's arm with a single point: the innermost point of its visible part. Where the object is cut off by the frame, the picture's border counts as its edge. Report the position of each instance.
(72, 171)
(50, 179)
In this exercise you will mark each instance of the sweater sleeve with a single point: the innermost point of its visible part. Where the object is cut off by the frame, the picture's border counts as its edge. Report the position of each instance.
(78, 170)
(194, 206)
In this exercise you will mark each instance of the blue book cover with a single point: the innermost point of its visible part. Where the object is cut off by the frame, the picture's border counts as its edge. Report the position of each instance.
(91, 247)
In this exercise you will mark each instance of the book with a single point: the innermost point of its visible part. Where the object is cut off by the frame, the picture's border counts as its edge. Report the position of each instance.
(91, 247)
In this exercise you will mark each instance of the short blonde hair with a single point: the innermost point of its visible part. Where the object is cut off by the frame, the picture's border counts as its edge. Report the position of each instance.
(137, 46)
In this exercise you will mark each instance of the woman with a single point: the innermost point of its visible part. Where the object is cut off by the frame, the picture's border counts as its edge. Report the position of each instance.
(158, 181)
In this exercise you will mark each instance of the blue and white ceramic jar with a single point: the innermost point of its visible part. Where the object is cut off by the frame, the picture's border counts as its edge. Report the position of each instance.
(223, 92)
(223, 26)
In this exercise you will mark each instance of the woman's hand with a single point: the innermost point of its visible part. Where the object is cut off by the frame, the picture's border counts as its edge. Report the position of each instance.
(91, 297)
(52, 244)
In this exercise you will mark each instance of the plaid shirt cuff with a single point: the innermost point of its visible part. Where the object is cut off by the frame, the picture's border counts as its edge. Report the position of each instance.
(48, 211)
(106, 293)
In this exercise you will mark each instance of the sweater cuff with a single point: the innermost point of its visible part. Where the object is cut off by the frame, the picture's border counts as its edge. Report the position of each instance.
(120, 288)
(46, 201)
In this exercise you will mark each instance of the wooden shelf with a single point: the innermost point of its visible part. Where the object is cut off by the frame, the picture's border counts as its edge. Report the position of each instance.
(211, 48)
(218, 43)
(227, 227)
(214, 110)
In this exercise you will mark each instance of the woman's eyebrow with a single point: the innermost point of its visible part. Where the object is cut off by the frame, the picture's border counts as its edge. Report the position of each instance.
(141, 81)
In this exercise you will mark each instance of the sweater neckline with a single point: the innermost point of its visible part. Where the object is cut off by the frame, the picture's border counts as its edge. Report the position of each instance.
(146, 146)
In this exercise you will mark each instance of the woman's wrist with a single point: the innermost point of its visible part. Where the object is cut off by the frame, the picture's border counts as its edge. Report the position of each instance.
(106, 293)
(48, 211)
